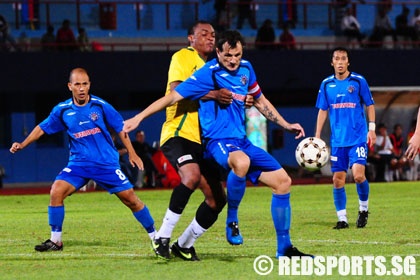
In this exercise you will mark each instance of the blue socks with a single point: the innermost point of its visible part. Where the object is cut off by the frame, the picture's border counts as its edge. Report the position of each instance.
(281, 213)
(56, 217)
(146, 220)
(340, 198)
(235, 192)
(363, 190)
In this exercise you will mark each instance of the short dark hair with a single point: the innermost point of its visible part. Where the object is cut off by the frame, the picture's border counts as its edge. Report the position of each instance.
(340, 49)
(194, 26)
(232, 37)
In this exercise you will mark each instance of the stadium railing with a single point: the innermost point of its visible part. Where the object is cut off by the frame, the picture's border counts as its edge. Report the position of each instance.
(313, 21)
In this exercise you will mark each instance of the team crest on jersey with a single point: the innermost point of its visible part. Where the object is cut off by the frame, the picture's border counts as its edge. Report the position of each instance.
(351, 89)
(94, 116)
(244, 79)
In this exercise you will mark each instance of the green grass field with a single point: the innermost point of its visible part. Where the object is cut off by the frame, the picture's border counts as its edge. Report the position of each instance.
(103, 241)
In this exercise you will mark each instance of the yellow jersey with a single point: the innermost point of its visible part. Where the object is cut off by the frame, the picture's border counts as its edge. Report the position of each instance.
(182, 117)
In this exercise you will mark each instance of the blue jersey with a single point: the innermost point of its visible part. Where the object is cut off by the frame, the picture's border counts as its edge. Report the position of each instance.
(219, 121)
(88, 130)
(346, 100)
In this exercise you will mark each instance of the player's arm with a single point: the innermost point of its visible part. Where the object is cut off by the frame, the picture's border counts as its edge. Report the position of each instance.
(134, 159)
(158, 105)
(267, 109)
(35, 134)
(223, 96)
(372, 127)
(414, 144)
(320, 121)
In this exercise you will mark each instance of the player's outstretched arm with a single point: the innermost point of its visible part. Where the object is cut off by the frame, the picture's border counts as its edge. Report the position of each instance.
(35, 134)
(267, 109)
(158, 105)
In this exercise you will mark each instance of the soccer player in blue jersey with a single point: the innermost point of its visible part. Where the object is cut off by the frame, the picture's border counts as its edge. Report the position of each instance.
(88, 121)
(344, 97)
(223, 132)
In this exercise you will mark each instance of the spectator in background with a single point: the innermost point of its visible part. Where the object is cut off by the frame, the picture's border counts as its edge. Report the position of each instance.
(350, 27)
(6, 37)
(144, 177)
(83, 40)
(384, 150)
(340, 7)
(399, 162)
(221, 16)
(415, 21)
(265, 36)
(384, 6)
(246, 10)
(65, 37)
(48, 40)
(402, 28)
(97, 47)
(287, 39)
(382, 27)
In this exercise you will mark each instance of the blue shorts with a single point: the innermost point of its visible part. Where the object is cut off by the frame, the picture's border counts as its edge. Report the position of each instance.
(261, 161)
(111, 179)
(343, 158)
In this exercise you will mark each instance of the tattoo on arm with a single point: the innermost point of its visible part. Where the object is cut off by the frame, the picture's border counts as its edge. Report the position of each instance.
(269, 114)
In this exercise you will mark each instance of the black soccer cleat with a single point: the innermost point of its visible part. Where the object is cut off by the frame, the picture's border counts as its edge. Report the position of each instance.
(294, 252)
(187, 254)
(48, 246)
(341, 225)
(161, 248)
(362, 219)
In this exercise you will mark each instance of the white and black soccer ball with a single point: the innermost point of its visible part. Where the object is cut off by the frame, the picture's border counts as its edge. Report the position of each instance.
(312, 153)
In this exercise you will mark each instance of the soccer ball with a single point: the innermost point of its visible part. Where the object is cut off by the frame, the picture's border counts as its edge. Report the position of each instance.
(312, 153)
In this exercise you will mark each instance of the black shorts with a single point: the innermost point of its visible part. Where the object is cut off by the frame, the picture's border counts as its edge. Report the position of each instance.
(180, 151)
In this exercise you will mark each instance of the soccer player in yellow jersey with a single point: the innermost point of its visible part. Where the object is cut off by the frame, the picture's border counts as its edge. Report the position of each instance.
(180, 142)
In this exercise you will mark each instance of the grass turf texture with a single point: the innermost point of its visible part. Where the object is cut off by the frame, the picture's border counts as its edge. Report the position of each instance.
(102, 240)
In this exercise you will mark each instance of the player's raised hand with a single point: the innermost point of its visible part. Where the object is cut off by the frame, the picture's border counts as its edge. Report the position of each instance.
(297, 129)
(15, 147)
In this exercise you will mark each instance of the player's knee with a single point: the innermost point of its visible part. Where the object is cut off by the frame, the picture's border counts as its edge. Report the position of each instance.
(216, 205)
(339, 179)
(191, 181)
(283, 185)
(359, 178)
(59, 192)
